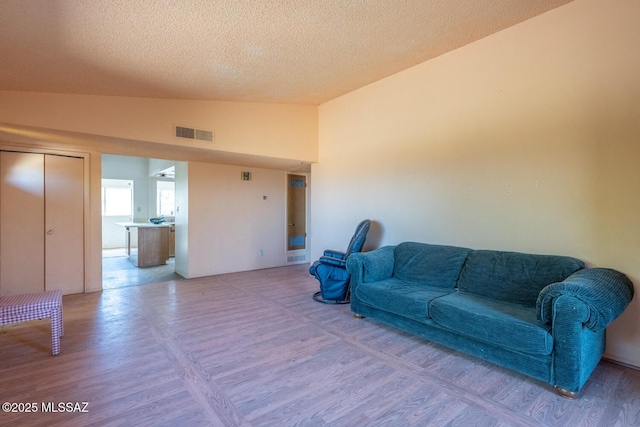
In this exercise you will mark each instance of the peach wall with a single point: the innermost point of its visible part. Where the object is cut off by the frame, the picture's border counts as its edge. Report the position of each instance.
(233, 225)
(274, 130)
(182, 219)
(526, 140)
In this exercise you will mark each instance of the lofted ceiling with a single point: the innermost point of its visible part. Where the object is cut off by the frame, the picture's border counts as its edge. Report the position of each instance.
(283, 51)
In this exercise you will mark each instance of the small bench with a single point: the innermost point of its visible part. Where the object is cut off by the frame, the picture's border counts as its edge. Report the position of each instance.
(25, 307)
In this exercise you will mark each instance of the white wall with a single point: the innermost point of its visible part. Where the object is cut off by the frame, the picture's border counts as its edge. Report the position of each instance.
(526, 140)
(159, 165)
(136, 169)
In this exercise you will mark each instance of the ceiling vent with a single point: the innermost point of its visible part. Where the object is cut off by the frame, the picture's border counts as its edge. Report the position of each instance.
(191, 133)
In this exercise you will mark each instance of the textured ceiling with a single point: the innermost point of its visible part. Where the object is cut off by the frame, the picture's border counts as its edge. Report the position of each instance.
(286, 51)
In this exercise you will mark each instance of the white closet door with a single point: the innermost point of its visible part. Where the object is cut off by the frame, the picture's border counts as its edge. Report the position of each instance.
(64, 224)
(21, 223)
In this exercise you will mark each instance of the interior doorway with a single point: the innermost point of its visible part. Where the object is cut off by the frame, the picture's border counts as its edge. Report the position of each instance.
(296, 212)
(297, 245)
(135, 191)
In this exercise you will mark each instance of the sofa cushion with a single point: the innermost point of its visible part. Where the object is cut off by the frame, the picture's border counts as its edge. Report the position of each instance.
(432, 265)
(504, 324)
(405, 299)
(512, 276)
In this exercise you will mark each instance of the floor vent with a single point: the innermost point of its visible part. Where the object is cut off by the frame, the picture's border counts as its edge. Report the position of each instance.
(297, 258)
(191, 133)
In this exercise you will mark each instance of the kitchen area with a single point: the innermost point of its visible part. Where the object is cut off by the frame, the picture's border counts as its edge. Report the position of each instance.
(138, 229)
(149, 245)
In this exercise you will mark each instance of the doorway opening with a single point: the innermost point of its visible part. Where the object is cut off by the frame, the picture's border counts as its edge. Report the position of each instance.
(135, 192)
(297, 245)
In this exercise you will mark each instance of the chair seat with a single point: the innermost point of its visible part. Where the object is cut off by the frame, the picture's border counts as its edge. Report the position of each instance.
(331, 268)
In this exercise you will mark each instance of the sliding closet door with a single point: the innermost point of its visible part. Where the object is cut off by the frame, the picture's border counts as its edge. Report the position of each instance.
(21, 223)
(41, 223)
(64, 224)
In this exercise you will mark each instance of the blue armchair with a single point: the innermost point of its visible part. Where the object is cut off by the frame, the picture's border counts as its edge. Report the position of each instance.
(331, 269)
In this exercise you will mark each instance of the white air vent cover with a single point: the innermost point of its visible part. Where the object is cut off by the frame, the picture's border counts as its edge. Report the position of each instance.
(296, 258)
(191, 133)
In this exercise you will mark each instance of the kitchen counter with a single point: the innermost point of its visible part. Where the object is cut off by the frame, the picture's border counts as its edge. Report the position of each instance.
(144, 224)
(152, 243)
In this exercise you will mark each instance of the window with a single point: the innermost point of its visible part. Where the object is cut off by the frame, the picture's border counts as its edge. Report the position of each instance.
(166, 198)
(117, 197)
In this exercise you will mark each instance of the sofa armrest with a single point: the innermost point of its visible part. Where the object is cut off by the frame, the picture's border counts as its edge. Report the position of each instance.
(604, 292)
(371, 266)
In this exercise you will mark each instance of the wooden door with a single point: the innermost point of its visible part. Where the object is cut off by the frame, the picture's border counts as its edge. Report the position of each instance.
(64, 224)
(21, 223)
(296, 212)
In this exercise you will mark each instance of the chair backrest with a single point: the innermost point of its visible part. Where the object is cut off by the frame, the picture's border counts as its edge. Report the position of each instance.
(357, 241)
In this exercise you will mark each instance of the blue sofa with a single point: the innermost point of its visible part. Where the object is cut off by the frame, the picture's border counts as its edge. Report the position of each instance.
(541, 315)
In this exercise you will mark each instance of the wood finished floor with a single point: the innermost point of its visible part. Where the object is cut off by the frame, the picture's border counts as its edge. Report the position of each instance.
(254, 349)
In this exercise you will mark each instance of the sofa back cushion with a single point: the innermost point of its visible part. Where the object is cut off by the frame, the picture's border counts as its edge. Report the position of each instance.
(434, 265)
(512, 276)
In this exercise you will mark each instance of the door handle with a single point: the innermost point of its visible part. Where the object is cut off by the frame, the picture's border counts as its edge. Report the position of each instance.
(291, 225)
(49, 232)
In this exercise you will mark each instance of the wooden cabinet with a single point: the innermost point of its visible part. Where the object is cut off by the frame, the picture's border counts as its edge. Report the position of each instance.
(152, 246)
(41, 223)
